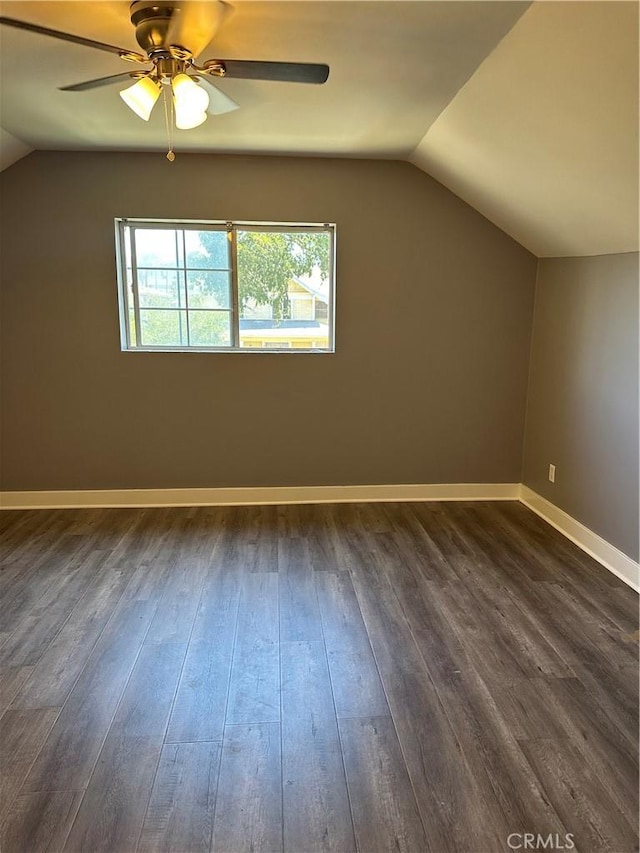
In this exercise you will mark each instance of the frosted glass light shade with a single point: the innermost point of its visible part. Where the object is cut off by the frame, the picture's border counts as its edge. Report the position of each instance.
(141, 97)
(186, 120)
(190, 102)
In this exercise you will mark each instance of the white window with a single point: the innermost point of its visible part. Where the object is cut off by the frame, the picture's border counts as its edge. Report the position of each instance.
(225, 286)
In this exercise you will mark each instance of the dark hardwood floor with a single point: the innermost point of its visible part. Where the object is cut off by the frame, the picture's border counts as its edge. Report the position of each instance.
(428, 677)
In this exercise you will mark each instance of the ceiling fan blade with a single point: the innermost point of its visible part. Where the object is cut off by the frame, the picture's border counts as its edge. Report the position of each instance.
(102, 81)
(286, 72)
(194, 23)
(219, 102)
(57, 34)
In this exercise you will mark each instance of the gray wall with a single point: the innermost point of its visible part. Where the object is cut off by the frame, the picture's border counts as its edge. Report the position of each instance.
(582, 411)
(428, 383)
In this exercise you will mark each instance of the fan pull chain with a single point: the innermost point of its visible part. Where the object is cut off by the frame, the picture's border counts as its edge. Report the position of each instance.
(167, 100)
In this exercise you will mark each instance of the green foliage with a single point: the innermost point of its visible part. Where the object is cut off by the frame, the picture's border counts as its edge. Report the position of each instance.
(169, 328)
(267, 261)
(163, 328)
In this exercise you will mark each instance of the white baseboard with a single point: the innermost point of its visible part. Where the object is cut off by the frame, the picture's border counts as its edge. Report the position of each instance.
(610, 556)
(105, 498)
(597, 547)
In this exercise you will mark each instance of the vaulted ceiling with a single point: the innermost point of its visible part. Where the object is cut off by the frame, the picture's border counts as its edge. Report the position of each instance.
(527, 111)
(543, 139)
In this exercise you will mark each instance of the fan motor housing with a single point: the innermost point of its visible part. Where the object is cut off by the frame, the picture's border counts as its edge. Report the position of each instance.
(151, 20)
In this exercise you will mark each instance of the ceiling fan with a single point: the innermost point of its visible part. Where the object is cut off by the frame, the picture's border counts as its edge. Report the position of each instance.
(172, 33)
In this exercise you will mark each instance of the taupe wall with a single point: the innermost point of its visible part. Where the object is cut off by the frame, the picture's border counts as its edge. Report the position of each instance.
(583, 393)
(428, 383)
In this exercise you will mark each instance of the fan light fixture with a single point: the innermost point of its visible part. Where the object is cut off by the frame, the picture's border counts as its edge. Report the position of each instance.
(190, 101)
(185, 110)
(163, 29)
(141, 97)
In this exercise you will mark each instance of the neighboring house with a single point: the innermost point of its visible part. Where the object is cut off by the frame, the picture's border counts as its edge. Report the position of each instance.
(307, 326)
(296, 334)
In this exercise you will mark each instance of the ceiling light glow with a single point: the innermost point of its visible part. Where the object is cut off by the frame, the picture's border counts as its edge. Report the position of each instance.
(141, 97)
(190, 102)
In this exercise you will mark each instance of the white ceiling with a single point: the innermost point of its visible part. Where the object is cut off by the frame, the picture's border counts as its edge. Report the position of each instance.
(529, 113)
(543, 139)
(394, 67)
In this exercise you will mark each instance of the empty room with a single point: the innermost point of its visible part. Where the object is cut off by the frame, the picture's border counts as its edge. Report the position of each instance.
(319, 436)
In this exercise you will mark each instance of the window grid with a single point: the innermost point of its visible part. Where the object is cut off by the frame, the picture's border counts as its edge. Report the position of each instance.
(181, 270)
(126, 242)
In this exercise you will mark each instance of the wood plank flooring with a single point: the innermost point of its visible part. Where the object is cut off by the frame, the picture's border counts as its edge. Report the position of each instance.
(416, 678)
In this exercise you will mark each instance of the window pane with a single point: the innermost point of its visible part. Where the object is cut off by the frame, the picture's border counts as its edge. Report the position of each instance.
(158, 248)
(209, 289)
(207, 249)
(210, 328)
(160, 289)
(179, 290)
(163, 328)
(283, 288)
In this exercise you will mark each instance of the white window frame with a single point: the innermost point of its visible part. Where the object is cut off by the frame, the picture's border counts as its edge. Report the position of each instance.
(121, 223)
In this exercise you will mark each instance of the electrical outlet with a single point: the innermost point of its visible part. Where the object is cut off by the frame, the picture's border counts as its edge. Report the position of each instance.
(552, 473)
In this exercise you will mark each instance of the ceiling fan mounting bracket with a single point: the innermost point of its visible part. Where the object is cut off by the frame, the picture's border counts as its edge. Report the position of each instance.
(179, 54)
(166, 68)
(151, 20)
(214, 67)
(131, 56)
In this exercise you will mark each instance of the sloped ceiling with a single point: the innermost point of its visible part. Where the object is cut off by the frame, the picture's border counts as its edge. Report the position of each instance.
(529, 112)
(11, 149)
(543, 139)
